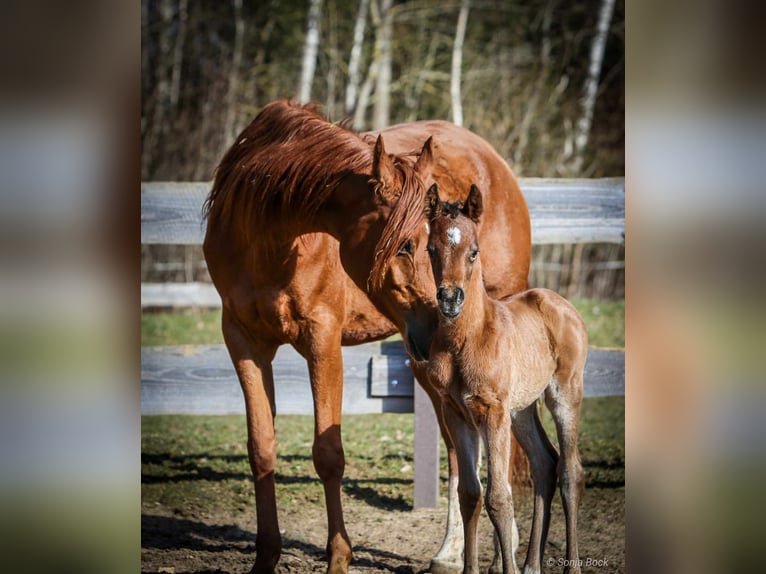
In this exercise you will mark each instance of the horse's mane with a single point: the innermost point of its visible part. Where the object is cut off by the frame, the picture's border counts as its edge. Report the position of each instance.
(406, 218)
(285, 165)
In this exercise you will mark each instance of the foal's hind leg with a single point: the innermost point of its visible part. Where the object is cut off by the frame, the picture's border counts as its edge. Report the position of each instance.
(252, 361)
(528, 430)
(563, 398)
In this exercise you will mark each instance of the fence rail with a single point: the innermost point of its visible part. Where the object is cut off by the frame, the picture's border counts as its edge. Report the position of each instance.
(201, 380)
(562, 211)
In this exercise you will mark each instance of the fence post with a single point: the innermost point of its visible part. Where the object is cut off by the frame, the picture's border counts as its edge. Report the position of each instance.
(427, 437)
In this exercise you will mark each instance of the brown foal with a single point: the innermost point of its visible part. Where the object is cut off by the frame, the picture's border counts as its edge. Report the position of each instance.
(491, 360)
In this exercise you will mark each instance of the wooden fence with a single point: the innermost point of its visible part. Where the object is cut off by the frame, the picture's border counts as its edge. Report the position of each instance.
(201, 379)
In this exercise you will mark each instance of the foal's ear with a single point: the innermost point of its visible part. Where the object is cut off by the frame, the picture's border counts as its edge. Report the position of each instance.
(383, 170)
(473, 206)
(432, 201)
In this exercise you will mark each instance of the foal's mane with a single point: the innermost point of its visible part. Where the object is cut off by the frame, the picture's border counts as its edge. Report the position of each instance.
(287, 163)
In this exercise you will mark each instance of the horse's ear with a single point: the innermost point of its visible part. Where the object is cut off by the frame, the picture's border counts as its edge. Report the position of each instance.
(432, 201)
(473, 206)
(423, 165)
(383, 170)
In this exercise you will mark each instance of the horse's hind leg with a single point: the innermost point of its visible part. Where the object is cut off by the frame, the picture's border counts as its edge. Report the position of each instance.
(449, 557)
(528, 430)
(563, 398)
(252, 361)
(325, 362)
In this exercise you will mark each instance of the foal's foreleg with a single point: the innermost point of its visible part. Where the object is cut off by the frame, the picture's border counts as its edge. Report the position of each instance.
(468, 448)
(499, 501)
(252, 361)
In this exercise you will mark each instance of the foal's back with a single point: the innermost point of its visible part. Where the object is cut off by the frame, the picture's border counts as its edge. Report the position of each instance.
(546, 339)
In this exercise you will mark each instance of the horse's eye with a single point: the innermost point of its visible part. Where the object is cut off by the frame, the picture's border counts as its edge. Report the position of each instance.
(473, 255)
(407, 248)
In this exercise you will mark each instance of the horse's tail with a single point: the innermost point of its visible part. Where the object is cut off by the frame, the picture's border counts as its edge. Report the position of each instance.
(521, 472)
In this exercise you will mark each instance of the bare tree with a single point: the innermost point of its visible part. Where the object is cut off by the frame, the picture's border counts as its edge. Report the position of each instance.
(310, 49)
(540, 86)
(590, 91)
(381, 109)
(457, 63)
(236, 64)
(352, 88)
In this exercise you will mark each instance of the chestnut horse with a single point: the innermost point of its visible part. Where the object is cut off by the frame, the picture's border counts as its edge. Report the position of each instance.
(491, 360)
(307, 243)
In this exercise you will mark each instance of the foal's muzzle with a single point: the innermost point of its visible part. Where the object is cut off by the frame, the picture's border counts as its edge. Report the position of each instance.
(450, 300)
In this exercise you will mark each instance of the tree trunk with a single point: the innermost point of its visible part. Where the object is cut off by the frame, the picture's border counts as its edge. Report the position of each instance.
(590, 91)
(161, 100)
(236, 63)
(352, 88)
(381, 113)
(178, 54)
(310, 49)
(457, 64)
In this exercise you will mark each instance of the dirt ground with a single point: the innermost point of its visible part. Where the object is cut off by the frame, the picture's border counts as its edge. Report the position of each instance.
(383, 541)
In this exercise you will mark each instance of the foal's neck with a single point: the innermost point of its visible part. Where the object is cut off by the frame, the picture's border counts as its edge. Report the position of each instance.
(477, 313)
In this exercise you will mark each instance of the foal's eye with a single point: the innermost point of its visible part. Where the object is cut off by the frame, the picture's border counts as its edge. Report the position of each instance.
(407, 248)
(473, 255)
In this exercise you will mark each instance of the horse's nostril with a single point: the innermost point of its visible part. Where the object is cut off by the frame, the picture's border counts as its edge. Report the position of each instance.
(440, 293)
(459, 295)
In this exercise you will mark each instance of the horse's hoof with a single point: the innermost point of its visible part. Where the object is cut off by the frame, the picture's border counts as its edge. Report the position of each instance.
(445, 567)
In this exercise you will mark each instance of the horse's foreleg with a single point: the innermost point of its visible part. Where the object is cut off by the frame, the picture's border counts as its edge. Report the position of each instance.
(468, 448)
(326, 371)
(449, 558)
(565, 408)
(499, 501)
(252, 361)
(529, 432)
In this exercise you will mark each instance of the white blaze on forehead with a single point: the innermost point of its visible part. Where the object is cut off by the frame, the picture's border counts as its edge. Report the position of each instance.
(453, 234)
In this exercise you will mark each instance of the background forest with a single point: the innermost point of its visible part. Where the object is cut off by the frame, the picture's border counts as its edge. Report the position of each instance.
(542, 80)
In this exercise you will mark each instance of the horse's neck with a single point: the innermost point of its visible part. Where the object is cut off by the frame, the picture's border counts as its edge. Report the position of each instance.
(350, 202)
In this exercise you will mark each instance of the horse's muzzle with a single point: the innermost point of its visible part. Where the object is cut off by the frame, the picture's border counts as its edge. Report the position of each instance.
(450, 300)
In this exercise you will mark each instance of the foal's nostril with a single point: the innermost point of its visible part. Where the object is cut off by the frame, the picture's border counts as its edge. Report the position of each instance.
(454, 295)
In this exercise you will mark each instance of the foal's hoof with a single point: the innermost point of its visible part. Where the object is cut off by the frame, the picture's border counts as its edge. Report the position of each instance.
(444, 567)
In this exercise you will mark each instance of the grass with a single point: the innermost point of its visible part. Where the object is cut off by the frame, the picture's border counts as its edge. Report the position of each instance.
(198, 464)
(190, 327)
(605, 321)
